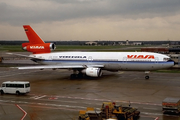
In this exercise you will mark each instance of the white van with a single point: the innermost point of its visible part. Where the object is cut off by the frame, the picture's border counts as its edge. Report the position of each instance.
(15, 87)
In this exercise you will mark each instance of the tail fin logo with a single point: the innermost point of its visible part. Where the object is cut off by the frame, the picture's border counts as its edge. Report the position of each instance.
(26, 29)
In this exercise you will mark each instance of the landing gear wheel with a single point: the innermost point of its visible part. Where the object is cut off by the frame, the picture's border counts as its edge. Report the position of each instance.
(146, 77)
(73, 76)
(2, 92)
(17, 93)
(80, 75)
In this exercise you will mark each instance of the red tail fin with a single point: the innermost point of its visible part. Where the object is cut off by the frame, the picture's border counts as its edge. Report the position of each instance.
(36, 44)
(32, 36)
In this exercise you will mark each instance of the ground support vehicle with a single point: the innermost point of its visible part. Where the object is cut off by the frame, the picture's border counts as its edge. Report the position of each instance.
(15, 87)
(110, 111)
(171, 105)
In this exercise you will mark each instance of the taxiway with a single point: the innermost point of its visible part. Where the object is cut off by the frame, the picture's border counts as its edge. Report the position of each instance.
(55, 96)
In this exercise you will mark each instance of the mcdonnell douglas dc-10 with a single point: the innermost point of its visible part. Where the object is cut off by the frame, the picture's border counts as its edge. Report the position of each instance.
(90, 63)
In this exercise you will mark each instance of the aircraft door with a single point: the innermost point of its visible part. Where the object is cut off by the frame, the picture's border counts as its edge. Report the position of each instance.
(90, 59)
(156, 59)
(50, 57)
(124, 59)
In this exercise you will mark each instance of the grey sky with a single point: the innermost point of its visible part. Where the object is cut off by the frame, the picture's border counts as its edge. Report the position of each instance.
(91, 19)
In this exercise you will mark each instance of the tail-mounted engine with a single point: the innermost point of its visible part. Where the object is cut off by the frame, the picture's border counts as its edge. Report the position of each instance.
(39, 48)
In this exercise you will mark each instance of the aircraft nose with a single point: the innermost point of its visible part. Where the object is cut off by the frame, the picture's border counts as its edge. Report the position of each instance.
(170, 60)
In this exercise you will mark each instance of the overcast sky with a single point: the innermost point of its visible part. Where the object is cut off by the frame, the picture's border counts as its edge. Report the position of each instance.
(91, 19)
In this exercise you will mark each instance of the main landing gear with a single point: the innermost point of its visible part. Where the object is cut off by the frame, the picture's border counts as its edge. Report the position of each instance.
(76, 74)
(147, 75)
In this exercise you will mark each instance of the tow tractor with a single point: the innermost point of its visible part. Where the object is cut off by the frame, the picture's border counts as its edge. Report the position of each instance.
(109, 111)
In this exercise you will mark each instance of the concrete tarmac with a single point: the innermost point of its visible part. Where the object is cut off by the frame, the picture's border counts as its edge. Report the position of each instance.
(54, 96)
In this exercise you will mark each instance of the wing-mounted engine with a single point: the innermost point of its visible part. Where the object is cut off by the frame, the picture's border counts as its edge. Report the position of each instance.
(92, 72)
(39, 48)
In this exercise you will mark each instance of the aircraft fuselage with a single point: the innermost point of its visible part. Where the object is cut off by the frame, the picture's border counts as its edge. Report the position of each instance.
(144, 61)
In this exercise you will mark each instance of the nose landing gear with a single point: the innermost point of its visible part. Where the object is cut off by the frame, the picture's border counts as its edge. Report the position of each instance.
(147, 75)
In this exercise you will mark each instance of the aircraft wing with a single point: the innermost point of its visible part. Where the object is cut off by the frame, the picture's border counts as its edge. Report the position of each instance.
(53, 66)
(59, 66)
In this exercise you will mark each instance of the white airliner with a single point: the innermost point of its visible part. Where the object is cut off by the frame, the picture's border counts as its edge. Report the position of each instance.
(90, 63)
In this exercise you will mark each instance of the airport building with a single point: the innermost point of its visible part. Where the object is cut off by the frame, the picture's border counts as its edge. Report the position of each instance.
(173, 53)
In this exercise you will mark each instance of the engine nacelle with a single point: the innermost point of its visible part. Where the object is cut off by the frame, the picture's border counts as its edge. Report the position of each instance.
(39, 48)
(92, 72)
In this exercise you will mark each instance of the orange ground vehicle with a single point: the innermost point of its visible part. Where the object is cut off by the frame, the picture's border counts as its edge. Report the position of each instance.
(110, 111)
(171, 105)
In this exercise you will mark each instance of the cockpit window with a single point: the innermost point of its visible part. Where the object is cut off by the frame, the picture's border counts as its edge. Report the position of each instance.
(166, 59)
